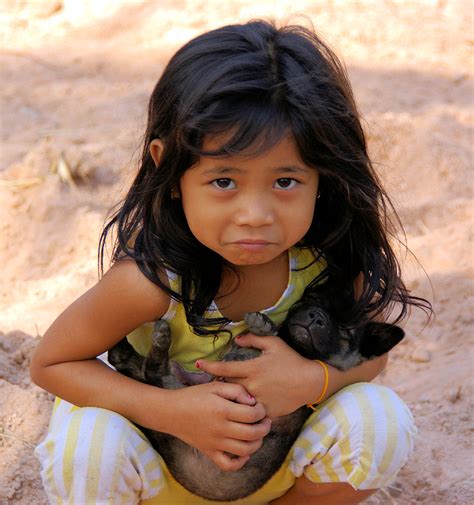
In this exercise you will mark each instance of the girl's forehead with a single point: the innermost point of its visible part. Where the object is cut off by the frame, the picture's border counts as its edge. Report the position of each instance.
(284, 146)
(283, 154)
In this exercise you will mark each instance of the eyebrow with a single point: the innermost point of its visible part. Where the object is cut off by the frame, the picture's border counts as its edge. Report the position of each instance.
(227, 170)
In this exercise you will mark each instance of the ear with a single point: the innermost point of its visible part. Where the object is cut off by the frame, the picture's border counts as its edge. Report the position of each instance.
(378, 338)
(156, 150)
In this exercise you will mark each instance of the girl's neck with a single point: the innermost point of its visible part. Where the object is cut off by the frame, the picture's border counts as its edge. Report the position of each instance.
(258, 287)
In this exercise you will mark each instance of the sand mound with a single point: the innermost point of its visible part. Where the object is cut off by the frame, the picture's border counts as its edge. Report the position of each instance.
(24, 414)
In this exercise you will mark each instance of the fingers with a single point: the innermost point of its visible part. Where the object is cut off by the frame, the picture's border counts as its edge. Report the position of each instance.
(255, 341)
(243, 407)
(245, 414)
(235, 453)
(241, 369)
(227, 462)
(223, 368)
(242, 448)
(236, 393)
(251, 432)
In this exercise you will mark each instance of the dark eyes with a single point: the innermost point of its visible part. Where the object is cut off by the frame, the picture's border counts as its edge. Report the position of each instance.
(286, 182)
(224, 183)
(282, 183)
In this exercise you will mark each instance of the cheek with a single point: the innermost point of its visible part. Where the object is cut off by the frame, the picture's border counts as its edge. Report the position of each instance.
(299, 219)
(202, 215)
(205, 224)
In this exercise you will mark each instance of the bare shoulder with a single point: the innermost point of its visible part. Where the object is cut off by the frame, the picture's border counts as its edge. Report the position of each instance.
(119, 302)
(125, 279)
(125, 291)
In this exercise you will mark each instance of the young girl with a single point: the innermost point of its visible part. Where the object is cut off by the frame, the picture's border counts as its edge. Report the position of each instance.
(254, 182)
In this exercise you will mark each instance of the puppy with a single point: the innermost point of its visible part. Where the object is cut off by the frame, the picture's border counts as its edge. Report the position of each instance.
(313, 327)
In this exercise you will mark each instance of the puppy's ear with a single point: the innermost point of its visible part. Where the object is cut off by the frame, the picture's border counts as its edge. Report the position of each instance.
(378, 338)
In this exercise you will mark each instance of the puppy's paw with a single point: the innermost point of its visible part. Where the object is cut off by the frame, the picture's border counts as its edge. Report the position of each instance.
(260, 324)
(161, 336)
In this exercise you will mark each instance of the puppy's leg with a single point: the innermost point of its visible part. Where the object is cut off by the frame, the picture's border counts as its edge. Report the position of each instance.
(156, 364)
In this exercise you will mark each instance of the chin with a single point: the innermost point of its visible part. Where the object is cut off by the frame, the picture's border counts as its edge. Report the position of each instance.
(242, 262)
(253, 259)
(240, 256)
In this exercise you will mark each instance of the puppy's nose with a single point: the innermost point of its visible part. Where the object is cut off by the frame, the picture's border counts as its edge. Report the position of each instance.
(318, 318)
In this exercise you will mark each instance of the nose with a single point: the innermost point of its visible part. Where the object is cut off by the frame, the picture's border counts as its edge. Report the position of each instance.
(314, 317)
(254, 210)
(318, 318)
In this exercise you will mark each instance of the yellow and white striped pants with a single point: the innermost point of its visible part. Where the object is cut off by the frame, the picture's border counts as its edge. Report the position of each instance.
(362, 435)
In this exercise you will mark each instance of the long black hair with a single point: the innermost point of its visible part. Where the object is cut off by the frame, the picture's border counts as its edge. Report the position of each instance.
(259, 83)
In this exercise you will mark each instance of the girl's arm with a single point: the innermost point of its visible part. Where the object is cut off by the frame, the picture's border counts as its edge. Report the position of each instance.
(65, 364)
(65, 360)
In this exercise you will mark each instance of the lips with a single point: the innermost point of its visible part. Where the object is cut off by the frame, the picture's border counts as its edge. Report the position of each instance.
(251, 241)
(252, 244)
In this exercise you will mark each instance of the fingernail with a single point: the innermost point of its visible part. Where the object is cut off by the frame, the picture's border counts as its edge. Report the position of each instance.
(197, 364)
(238, 337)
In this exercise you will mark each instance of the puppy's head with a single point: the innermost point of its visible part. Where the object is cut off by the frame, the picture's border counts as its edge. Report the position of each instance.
(314, 327)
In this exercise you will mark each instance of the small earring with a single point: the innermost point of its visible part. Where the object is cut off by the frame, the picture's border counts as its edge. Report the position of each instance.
(174, 195)
(318, 195)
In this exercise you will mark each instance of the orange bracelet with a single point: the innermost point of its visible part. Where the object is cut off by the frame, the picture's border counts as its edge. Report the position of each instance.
(325, 387)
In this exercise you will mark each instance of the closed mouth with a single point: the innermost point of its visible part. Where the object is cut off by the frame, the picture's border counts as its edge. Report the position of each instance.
(299, 331)
(251, 241)
(255, 246)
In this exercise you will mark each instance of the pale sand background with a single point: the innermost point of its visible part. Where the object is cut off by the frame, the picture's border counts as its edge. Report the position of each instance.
(75, 80)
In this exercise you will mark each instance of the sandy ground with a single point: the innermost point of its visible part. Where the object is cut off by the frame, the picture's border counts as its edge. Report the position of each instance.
(75, 81)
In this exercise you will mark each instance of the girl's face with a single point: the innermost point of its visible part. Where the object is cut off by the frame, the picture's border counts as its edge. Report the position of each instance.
(250, 210)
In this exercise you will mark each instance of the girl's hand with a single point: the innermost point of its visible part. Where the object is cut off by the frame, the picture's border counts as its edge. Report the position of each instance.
(281, 379)
(221, 420)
